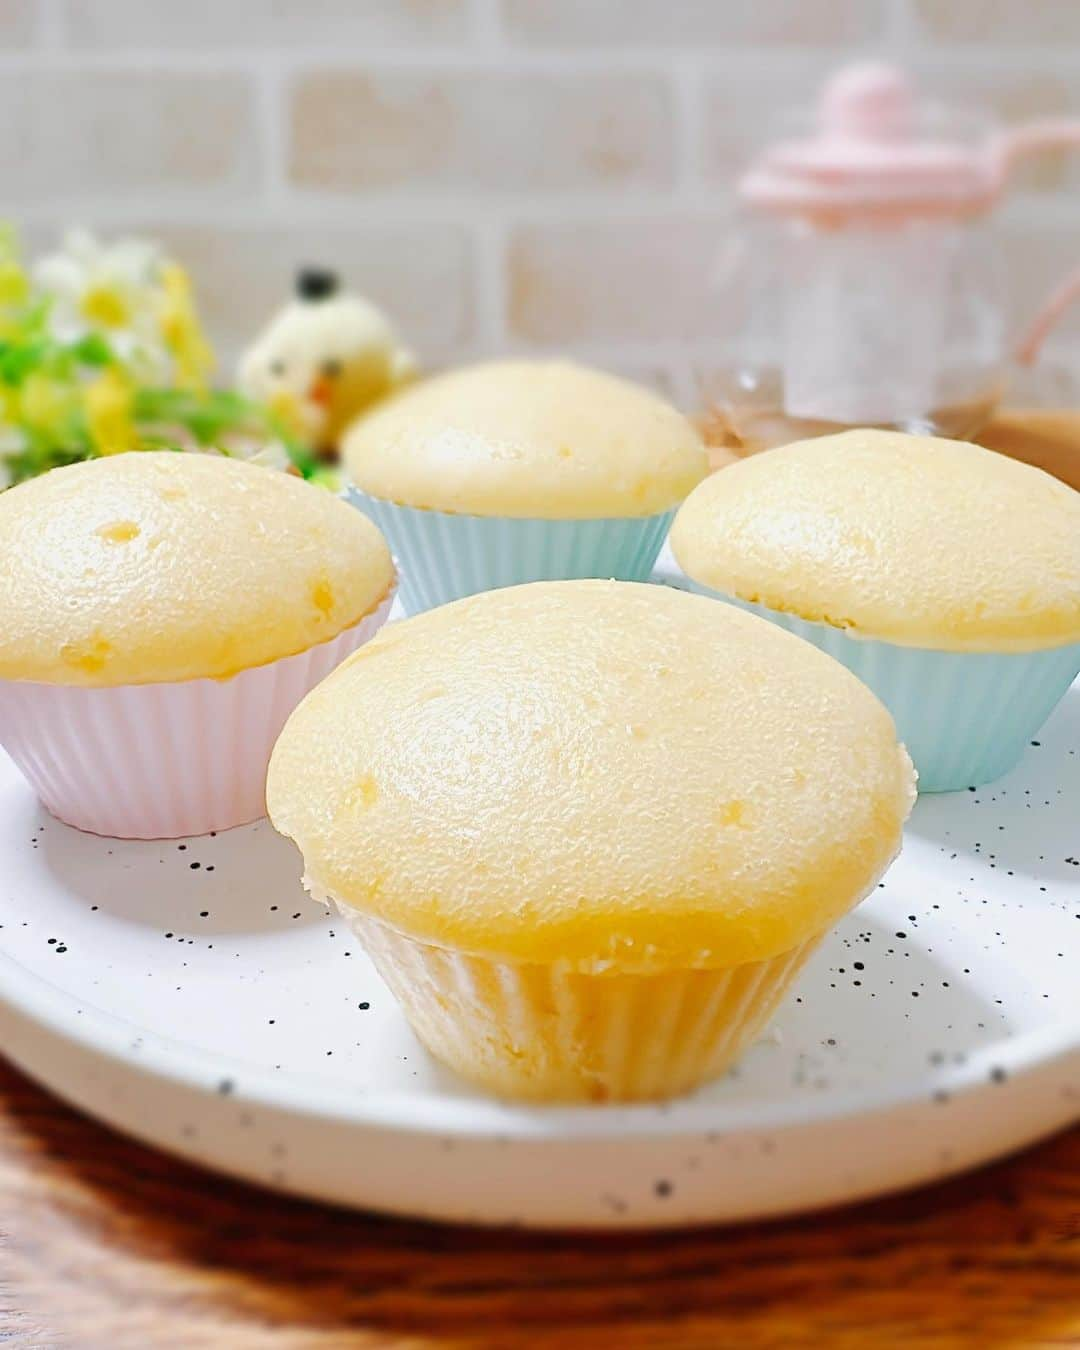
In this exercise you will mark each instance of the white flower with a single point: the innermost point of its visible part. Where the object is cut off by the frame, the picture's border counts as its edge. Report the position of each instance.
(110, 289)
(270, 454)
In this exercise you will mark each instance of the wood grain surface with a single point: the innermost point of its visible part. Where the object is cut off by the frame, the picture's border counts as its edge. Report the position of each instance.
(107, 1245)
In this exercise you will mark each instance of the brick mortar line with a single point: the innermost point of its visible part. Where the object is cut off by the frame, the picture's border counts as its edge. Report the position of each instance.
(48, 26)
(591, 59)
(271, 133)
(903, 28)
(385, 211)
(397, 210)
(688, 126)
(486, 25)
(686, 75)
(489, 292)
(1059, 58)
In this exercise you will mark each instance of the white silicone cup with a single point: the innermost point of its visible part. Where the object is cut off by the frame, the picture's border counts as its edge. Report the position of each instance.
(162, 761)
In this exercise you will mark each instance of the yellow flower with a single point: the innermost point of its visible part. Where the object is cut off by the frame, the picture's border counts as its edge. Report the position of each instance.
(180, 328)
(108, 402)
(14, 287)
(105, 306)
(9, 406)
(14, 283)
(45, 404)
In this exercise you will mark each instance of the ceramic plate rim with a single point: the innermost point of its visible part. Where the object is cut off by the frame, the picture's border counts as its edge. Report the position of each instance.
(52, 1008)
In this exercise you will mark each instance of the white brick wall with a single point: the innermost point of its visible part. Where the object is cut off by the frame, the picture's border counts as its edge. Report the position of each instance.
(501, 174)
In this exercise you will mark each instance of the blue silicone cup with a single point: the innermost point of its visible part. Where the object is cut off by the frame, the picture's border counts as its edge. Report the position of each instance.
(444, 557)
(965, 717)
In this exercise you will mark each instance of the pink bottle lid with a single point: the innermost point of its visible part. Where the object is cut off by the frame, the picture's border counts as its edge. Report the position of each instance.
(871, 156)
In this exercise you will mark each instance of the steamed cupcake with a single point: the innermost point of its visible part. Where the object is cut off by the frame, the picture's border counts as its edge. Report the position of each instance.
(160, 616)
(521, 471)
(945, 576)
(590, 831)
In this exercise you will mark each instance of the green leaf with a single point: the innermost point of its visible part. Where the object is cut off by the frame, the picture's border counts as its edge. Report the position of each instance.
(324, 475)
(17, 361)
(92, 350)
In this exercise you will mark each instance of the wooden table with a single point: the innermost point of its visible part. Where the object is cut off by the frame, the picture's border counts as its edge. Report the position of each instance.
(107, 1245)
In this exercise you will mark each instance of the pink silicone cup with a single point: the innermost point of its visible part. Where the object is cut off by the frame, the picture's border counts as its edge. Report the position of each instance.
(160, 761)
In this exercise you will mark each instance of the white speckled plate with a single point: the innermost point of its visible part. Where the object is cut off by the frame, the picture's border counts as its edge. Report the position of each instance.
(189, 994)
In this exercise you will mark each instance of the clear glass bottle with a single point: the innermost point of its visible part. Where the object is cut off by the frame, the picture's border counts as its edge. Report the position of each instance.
(860, 284)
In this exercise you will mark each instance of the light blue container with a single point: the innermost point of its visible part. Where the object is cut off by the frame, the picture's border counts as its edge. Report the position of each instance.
(965, 717)
(444, 557)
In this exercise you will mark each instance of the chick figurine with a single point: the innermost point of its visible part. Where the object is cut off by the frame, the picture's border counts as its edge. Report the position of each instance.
(324, 360)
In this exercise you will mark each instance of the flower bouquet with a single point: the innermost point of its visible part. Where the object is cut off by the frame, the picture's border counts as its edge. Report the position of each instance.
(101, 351)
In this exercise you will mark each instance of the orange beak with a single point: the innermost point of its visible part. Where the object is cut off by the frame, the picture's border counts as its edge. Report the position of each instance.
(321, 391)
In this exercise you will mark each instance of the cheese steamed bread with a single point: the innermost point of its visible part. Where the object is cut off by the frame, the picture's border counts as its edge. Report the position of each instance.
(517, 471)
(161, 614)
(913, 540)
(589, 831)
(158, 566)
(945, 576)
(527, 438)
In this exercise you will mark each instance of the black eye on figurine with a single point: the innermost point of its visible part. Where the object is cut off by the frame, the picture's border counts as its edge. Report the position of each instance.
(277, 368)
(317, 283)
(331, 369)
